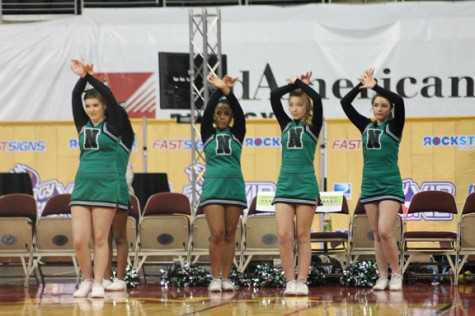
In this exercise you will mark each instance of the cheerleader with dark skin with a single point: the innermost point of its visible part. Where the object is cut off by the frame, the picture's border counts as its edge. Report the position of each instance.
(223, 195)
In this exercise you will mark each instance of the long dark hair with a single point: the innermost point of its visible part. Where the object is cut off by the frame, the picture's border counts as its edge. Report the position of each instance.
(94, 94)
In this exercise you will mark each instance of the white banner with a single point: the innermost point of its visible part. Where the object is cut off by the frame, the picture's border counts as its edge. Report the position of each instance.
(424, 51)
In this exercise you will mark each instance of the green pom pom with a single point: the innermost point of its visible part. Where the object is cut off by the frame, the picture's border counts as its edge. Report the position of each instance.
(360, 274)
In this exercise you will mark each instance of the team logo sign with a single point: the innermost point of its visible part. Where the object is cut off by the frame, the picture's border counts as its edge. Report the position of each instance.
(42, 190)
(463, 142)
(410, 187)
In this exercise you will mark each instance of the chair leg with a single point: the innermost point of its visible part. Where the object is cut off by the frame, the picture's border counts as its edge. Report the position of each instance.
(144, 275)
(406, 264)
(462, 263)
(246, 263)
(456, 269)
(25, 270)
(453, 268)
(76, 269)
(195, 259)
(401, 263)
(141, 262)
(42, 277)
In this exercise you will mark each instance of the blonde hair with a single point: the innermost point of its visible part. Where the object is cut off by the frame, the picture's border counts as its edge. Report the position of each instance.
(307, 118)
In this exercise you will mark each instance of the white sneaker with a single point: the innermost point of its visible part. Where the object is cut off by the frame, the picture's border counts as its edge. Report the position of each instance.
(290, 288)
(84, 288)
(396, 282)
(106, 283)
(215, 285)
(227, 285)
(301, 288)
(116, 285)
(97, 291)
(381, 283)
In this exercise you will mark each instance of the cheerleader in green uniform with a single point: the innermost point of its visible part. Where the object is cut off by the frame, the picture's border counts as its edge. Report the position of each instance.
(119, 224)
(381, 189)
(223, 194)
(297, 190)
(96, 190)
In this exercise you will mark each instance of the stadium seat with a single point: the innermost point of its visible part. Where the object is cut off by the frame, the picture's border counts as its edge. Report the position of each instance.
(164, 228)
(334, 243)
(259, 236)
(18, 215)
(441, 242)
(54, 236)
(201, 235)
(361, 239)
(466, 241)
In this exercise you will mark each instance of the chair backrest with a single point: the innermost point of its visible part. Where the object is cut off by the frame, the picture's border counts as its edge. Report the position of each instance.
(469, 205)
(167, 203)
(359, 209)
(18, 205)
(252, 208)
(57, 205)
(135, 211)
(199, 211)
(432, 201)
(344, 207)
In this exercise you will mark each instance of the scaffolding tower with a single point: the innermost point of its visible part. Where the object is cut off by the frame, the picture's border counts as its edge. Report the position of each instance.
(205, 59)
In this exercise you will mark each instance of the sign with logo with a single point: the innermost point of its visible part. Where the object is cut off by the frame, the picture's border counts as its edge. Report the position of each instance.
(332, 202)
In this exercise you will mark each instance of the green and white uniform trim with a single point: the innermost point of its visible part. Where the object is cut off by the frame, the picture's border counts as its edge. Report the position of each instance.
(223, 183)
(97, 180)
(297, 181)
(122, 161)
(381, 175)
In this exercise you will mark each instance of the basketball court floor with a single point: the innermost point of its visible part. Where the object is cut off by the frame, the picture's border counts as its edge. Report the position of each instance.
(152, 299)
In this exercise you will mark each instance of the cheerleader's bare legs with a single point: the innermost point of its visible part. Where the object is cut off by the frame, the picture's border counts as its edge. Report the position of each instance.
(285, 214)
(382, 216)
(222, 222)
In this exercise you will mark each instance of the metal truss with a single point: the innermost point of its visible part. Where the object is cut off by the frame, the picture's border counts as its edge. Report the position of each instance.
(205, 58)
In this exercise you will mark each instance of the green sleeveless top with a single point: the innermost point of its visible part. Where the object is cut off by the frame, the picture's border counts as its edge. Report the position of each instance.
(380, 150)
(223, 155)
(98, 148)
(298, 148)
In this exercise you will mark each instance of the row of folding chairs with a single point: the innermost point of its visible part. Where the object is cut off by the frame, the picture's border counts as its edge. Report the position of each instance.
(166, 230)
(455, 244)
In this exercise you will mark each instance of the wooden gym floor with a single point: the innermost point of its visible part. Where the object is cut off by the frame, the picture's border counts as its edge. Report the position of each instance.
(151, 299)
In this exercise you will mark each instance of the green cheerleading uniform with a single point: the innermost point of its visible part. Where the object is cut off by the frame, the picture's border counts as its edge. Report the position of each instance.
(97, 179)
(122, 161)
(297, 183)
(125, 147)
(223, 182)
(381, 175)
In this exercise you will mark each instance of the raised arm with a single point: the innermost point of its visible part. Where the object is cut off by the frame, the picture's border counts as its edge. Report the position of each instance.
(207, 120)
(79, 115)
(239, 126)
(397, 124)
(113, 108)
(277, 106)
(356, 118)
(128, 132)
(317, 118)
